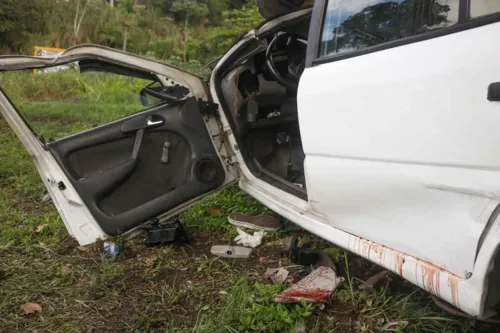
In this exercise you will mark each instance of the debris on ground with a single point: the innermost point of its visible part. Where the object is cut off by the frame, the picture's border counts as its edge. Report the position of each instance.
(299, 275)
(46, 197)
(319, 306)
(265, 260)
(300, 328)
(30, 307)
(370, 283)
(212, 211)
(314, 288)
(306, 257)
(40, 227)
(395, 326)
(260, 222)
(167, 232)
(229, 251)
(84, 280)
(249, 240)
(65, 270)
(111, 249)
(151, 260)
(84, 249)
(277, 275)
(285, 243)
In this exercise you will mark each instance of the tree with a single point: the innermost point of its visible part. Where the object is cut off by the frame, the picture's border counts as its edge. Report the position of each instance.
(217, 40)
(188, 9)
(18, 19)
(127, 20)
(79, 18)
(216, 9)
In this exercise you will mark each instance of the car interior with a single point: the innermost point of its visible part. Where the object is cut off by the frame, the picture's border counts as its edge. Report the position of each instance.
(258, 91)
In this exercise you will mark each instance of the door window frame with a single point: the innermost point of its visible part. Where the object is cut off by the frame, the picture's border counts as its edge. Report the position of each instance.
(318, 16)
(116, 69)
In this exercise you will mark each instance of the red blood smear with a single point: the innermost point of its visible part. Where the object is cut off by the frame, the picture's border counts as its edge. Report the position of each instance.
(317, 295)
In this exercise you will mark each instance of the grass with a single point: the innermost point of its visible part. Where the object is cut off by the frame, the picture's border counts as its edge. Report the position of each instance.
(164, 289)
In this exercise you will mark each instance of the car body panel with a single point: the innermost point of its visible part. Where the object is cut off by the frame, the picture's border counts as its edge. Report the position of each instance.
(402, 149)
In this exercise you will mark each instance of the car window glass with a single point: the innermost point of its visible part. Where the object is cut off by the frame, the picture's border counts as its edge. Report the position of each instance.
(356, 24)
(484, 7)
(61, 101)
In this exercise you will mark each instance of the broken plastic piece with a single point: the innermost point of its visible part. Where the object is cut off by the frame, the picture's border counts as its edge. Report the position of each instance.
(395, 326)
(229, 251)
(307, 257)
(314, 288)
(249, 240)
(278, 275)
(111, 249)
(168, 232)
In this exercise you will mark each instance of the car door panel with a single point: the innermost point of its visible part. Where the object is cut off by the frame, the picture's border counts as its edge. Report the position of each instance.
(113, 178)
(120, 190)
(401, 145)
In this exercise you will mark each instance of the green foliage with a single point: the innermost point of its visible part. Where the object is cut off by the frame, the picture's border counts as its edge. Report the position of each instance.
(189, 8)
(78, 101)
(164, 48)
(194, 31)
(263, 315)
(127, 6)
(18, 20)
(216, 9)
(218, 39)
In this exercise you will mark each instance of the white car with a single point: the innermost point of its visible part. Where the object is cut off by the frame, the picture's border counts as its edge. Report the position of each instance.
(372, 124)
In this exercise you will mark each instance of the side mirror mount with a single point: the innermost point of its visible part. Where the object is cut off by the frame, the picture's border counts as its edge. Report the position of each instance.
(148, 99)
(155, 93)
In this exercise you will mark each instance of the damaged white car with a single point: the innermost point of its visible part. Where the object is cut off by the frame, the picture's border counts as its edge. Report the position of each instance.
(371, 123)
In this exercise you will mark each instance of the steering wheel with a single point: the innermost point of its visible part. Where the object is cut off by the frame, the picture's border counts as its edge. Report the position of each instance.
(287, 46)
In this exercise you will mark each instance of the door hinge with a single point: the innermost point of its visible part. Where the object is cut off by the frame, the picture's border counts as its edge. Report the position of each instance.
(208, 108)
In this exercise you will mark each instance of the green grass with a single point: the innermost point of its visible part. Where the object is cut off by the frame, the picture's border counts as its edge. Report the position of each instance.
(164, 289)
(60, 104)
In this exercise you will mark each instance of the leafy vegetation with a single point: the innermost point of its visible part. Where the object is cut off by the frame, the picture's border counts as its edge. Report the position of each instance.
(262, 315)
(178, 31)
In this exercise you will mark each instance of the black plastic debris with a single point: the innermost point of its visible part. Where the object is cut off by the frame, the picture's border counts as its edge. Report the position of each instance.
(305, 257)
(168, 232)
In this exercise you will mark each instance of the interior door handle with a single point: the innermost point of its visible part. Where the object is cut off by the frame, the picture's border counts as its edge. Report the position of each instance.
(494, 92)
(137, 123)
(151, 122)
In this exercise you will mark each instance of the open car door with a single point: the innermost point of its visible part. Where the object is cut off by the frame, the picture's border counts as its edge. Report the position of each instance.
(112, 178)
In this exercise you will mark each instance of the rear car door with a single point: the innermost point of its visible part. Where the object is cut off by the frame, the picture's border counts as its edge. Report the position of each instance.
(399, 115)
(112, 178)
